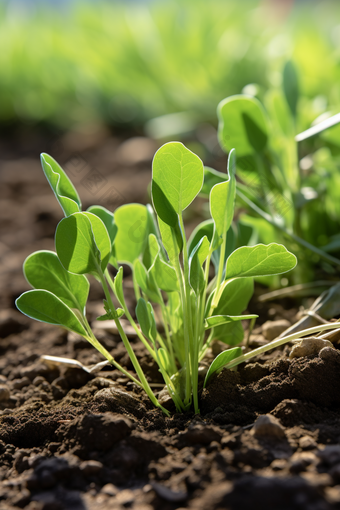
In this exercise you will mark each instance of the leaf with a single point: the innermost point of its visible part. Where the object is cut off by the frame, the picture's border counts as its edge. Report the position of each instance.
(143, 280)
(259, 260)
(164, 359)
(163, 274)
(218, 320)
(242, 125)
(235, 296)
(76, 246)
(108, 316)
(132, 235)
(177, 177)
(211, 177)
(44, 306)
(61, 185)
(291, 86)
(107, 218)
(222, 198)
(229, 334)
(167, 239)
(118, 286)
(196, 259)
(146, 320)
(152, 229)
(221, 360)
(43, 270)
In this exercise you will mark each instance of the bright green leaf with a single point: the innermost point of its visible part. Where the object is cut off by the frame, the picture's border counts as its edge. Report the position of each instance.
(177, 177)
(166, 231)
(222, 198)
(197, 257)
(219, 320)
(221, 360)
(44, 306)
(43, 270)
(291, 86)
(132, 235)
(259, 260)
(107, 218)
(61, 185)
(242, 125)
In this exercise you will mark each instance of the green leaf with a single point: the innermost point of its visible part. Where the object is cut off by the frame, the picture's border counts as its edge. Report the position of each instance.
(235, 296)
(146, 319)
(167, 239)
(61, 185)
(219, 320)
(143, 280)
(152, 229)
(221, 360)
(164, 359)
(163, 274)
(44, 306)
(229, 334)
(196, 259)
(43, 270)
(76, 243)
(109, 316)
(107, 218)
(118, 286)
(177, 177)
(222, 198)
(242, 125)
(291, 86)
(259, 260)
(133, 230)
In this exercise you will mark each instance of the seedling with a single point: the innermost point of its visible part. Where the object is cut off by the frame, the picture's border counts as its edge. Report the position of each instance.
(170, 273)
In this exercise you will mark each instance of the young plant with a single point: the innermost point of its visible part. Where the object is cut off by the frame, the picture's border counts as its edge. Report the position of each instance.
(170, 273)
(284, 202)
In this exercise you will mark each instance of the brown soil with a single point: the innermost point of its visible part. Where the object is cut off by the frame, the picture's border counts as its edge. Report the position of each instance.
(70, 440)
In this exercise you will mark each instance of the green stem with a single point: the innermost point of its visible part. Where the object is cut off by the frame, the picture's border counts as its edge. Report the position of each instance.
(129, 349)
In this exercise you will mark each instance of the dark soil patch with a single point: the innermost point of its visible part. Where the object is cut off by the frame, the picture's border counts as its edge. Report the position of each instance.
(70, 440)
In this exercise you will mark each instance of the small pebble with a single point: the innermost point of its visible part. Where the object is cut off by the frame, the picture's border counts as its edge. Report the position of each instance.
(4, 393)
(110, 489)
(307, 443)
(272, 329)
(328, 353)
(267, 425)
(309, 347)
(90, 467)
(17, 384)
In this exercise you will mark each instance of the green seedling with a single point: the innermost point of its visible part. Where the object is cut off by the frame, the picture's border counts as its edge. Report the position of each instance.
(171, 275)
(283, 202)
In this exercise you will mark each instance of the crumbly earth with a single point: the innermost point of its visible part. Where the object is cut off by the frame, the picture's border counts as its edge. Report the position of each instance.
(268, 435)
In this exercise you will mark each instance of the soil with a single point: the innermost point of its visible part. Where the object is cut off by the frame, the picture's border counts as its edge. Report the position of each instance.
(268, 435)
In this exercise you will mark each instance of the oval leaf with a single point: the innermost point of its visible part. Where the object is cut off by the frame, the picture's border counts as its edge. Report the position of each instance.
(76, 246)
(44, 306)
(133, 229)
(177, 177)
(43, 270)
(242, 125)
(61, 185)
(259, 260)
(221, 360)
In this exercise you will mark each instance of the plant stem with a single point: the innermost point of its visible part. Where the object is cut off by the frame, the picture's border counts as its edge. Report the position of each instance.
(129, 349)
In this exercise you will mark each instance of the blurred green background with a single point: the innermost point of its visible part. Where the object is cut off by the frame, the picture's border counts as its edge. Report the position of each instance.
(124, 63)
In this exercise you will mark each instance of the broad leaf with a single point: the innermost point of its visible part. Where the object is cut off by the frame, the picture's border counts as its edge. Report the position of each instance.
(107, 218)
(197, 257)
(43, 270)
(230, 334)
(222, 198)
(259, 260)
(167, 238)
(221, 360)
(143, 280)
(44, 306)
(76, 243)
(242, 125)
(219, 320)
(291, 86)
(163, 273)
(235, 296)
(177, 177)
(61, 185)
(132, 235)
